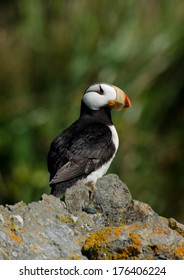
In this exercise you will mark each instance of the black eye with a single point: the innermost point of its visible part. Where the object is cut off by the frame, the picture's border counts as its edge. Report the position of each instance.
(101, 91)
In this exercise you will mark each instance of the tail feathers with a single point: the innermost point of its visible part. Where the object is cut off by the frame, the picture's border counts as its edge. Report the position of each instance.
(57, 191)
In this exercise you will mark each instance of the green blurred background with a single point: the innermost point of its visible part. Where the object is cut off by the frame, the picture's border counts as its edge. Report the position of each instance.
(50, 51)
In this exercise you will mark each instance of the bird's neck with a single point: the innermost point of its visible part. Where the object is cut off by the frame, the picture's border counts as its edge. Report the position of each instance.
(102, 115)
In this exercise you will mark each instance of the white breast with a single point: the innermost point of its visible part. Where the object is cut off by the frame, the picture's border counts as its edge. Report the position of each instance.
(92, 178)
(115, 137)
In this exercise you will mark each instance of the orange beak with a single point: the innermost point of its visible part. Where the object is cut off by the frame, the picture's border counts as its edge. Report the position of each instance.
(121, 102)
(127, 103)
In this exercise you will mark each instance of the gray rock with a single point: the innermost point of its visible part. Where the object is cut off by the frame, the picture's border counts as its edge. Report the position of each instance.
(151, 240)
(39, 230)
(122, 228)
(76, 198)
(112, 198)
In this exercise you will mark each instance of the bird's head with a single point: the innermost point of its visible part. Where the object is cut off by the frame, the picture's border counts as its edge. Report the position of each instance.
(102, 95)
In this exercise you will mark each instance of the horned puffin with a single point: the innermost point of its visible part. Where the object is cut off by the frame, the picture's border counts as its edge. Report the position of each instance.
(85, 150)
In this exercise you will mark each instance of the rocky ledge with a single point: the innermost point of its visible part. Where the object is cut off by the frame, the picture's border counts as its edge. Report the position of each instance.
(121, 228)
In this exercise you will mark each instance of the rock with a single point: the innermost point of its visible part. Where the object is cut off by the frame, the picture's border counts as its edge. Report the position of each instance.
(39, 230)
(112, 199)
(150, 240)
(122, 228)
(76, 198)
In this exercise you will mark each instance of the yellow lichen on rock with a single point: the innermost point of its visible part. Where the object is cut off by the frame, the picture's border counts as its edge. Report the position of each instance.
(99, 244)
(180, 252)
(14, 237)
(99, 241)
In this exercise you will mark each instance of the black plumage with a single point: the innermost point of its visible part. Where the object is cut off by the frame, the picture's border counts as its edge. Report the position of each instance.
(80, 149)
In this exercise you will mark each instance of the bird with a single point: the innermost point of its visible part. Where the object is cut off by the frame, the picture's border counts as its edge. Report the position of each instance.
(85, 150)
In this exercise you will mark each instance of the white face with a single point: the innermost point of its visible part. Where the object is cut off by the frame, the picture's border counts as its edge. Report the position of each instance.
(98, 95)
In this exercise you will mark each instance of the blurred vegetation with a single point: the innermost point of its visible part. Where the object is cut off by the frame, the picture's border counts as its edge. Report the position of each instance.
(50, 51)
